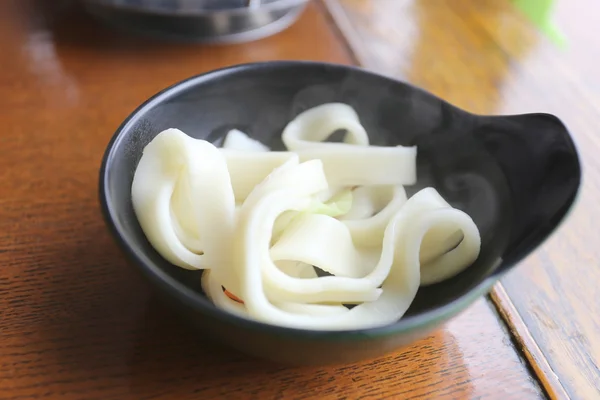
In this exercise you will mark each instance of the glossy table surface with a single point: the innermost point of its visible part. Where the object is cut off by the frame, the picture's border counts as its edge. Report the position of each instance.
(77, 322)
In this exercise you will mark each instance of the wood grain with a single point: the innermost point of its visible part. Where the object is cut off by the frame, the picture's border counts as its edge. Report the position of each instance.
(539, 363)
(482, 55)
(76, 322)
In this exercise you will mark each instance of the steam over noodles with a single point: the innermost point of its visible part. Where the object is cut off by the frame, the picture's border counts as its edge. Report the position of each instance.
(262, 223)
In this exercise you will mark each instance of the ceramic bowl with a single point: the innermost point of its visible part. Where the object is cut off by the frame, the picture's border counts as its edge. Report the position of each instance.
(517, 176)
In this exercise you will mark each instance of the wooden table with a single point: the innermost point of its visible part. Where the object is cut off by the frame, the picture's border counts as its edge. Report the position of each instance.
(77, 323)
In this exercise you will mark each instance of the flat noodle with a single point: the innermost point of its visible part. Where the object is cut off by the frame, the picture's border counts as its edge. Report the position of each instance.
(449, 264)
(369, 200)
(324, 310)
(239, 141)
(280, 193)
(171, 159)
(353, 162)
(170, 162)
(315, 125)
(259, 222)
(358, 166)
(343, 168)
(399, 263)
(245, 179)
(326, 243)
(297, 269)
(369, 231)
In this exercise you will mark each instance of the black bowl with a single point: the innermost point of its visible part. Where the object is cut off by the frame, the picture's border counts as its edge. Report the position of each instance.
(516, 176)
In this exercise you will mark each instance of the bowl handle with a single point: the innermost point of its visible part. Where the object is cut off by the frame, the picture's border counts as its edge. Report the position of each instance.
(539, 160)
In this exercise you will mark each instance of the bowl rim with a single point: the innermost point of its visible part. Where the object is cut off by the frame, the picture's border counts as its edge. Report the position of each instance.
(199, 302)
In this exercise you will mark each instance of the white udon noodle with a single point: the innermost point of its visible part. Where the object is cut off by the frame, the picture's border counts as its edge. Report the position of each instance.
(257, 221)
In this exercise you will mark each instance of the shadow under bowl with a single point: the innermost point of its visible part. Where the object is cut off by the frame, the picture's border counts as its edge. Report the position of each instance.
(517, 176)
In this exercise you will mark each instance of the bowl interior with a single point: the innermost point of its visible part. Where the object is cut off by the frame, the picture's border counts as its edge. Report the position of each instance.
(260, 99)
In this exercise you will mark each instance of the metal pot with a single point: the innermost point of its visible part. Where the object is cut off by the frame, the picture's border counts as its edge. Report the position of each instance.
(207, 21)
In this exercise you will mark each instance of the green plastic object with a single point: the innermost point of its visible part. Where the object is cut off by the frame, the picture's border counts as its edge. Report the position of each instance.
(539, 13)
